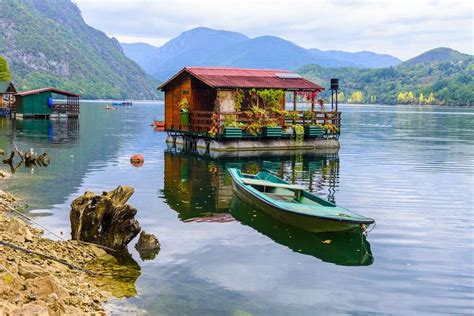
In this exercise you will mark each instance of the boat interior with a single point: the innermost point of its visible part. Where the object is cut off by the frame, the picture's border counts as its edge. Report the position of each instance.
(279, 190)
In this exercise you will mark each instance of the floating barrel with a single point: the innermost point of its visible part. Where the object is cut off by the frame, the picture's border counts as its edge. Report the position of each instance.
(137, 160)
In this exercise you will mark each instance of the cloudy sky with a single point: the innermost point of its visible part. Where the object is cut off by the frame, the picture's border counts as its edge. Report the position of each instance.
(401, 28)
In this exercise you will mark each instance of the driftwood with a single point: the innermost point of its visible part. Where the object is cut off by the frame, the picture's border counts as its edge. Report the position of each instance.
(30, 159)
(105, 219)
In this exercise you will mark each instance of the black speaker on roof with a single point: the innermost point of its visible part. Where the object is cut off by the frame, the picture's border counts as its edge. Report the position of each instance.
(334, 84)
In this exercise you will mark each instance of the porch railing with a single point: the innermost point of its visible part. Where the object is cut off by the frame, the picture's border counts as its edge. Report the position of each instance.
(201, 121)
(65, 108)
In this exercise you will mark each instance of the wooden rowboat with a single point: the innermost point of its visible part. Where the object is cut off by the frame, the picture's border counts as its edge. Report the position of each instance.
(293, 205)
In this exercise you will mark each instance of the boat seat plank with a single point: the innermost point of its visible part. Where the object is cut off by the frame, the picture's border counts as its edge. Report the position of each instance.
(271, 184)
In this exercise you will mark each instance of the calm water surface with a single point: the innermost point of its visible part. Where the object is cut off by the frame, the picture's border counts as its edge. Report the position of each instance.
(409, 168)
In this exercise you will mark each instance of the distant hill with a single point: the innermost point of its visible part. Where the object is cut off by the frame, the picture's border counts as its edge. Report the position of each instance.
(208, 47)
(445, 73)
(363, 59)
(437, 55)
(47, 43)
(4, 71)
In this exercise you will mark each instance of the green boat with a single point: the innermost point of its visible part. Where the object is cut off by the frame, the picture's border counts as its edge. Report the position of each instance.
(293, 205)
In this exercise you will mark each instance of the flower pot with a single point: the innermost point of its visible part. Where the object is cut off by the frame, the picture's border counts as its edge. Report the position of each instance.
(185, 118)
(232, 132)
(271, 131)
(313, 131)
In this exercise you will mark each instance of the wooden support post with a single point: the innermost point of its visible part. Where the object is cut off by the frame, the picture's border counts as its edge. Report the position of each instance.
(312, 102)
(294, 100)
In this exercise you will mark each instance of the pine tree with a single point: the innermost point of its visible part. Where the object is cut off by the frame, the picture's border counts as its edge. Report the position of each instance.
(4, 71)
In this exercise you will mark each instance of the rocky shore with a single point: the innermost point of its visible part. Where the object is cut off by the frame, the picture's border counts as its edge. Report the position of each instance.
(40, 276)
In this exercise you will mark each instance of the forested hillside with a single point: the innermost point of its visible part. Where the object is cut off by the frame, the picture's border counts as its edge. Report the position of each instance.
(47, 43)
(439, 76)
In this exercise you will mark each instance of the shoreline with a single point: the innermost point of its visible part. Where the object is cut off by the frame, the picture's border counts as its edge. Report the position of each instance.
(47, 277)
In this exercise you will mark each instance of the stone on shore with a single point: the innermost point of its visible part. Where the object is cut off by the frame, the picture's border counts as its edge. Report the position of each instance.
(147, 246)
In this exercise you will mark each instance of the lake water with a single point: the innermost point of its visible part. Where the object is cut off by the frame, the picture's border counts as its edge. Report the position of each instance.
(410, 168)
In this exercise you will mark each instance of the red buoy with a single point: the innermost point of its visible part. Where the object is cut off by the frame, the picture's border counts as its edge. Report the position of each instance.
(137, 160)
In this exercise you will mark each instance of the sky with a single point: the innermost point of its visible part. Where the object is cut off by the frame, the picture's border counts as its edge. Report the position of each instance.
(401, 28)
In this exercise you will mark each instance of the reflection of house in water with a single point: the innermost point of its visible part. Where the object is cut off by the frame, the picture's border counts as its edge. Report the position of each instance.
(198, 186)
(7, 97)
(59, 131)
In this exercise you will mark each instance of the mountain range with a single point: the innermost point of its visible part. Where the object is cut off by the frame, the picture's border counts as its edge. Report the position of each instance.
(444, 73)
(208, 47)
(47, 43)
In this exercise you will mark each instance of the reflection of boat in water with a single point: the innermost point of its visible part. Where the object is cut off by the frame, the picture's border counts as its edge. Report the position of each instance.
(292, 204)
(341, 248)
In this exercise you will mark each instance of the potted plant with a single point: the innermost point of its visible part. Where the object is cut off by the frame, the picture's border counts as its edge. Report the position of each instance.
(184, 109)
(232, 129)
(314, 130)
(271, 130)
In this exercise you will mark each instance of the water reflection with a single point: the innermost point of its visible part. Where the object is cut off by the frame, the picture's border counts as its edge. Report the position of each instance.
(198, 188)
(58, 131)
(344, 248)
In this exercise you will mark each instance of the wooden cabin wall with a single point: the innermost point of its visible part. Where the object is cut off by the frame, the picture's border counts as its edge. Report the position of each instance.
(180, 89)
(203, 96)
(200, 96)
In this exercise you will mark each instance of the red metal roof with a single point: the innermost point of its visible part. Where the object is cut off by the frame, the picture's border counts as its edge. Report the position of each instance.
(222, 77)
(49, 89)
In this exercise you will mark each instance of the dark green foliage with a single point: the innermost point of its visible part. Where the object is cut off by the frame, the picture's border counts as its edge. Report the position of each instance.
(4, 71)
(450, 77)
(47, 43)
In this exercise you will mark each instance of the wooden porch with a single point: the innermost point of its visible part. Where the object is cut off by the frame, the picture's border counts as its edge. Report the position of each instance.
(200, 123)
(69, 106)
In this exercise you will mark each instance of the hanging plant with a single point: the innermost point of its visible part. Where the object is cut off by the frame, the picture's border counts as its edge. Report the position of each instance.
(238, 98)
(299, 133)
(214, 126)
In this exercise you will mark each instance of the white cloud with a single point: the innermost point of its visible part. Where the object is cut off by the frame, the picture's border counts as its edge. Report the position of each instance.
(401, 28)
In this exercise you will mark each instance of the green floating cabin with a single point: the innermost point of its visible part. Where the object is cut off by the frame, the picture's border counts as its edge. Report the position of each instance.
(236, 109)
(47, 102)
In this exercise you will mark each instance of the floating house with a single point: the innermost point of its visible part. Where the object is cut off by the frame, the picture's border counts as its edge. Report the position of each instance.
(234, 109)
(7, 97)
(47, 102)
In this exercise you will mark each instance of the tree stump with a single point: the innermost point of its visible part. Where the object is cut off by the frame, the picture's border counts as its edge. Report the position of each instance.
(104, 219)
